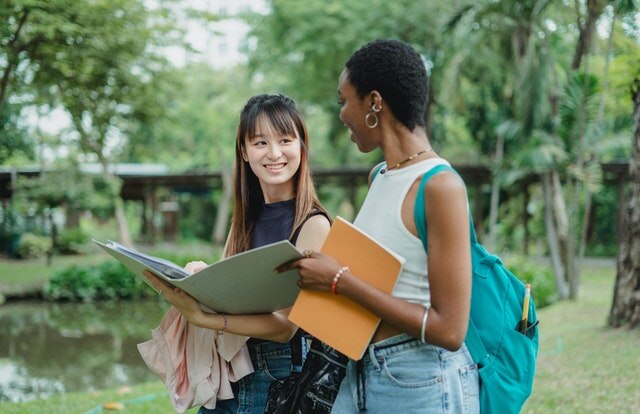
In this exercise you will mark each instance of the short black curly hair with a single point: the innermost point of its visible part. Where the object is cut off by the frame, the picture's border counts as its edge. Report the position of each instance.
(397, 71)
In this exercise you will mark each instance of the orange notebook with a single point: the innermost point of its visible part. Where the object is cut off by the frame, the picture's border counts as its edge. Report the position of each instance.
(335, 319)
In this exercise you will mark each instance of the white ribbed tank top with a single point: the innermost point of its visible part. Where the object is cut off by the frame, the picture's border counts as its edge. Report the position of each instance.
(380, 217)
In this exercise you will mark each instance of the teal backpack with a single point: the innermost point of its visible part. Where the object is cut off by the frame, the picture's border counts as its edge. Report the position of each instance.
(506, 357)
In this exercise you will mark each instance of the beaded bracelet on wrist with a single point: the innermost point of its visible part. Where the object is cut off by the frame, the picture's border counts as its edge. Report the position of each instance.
(336, 278)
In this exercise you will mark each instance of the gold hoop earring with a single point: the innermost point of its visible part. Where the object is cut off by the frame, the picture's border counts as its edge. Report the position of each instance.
(372, 113)
(367, 118)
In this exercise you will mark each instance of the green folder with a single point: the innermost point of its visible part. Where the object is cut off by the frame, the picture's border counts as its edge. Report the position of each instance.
(241, 284)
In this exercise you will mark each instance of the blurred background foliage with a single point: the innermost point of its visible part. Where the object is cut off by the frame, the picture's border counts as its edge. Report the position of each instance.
(523, 87)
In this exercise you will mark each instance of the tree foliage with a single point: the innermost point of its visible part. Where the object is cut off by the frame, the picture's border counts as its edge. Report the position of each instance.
(15, 142)
(312, 40)
(521, 80)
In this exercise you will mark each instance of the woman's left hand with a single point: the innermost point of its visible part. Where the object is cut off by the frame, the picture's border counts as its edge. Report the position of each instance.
(183, 302)
(316, 270)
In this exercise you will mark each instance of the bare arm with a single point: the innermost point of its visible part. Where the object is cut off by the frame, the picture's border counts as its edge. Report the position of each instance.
(449, 270)
(449, 261)
(274, 326)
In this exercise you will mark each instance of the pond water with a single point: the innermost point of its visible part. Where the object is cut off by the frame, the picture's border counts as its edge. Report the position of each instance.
(48, 348)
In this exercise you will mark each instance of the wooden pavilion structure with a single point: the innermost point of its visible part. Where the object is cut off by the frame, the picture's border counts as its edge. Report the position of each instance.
(145, 184)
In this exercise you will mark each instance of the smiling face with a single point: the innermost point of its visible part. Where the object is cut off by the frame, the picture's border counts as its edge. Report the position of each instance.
(353, 110)
(274, 158)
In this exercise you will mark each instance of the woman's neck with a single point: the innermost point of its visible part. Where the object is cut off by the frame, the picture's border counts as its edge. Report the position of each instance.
(400, 144)
(275, 197)
(273, 193)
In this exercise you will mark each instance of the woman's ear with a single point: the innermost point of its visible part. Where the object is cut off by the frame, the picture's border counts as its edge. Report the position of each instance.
(375, 100)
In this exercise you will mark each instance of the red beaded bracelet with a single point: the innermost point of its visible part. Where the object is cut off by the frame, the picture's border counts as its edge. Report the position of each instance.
(334, 284)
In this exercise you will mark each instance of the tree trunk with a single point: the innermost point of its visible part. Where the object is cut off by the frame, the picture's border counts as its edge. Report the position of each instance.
(4, 82)
(586, 225)
(428, 111)
(594, 11)
(72, 217)
(14, 48)
(224, 205)
(576, 188)
(552, 237)
(625, 309)
(563, 236)
(495, 194)
(118, 203)
(121, 220)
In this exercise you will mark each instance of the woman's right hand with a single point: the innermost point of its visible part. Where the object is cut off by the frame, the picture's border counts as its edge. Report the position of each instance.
(316, 270)
(194, 266)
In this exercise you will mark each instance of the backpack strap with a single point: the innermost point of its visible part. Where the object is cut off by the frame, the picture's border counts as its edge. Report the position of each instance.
(419, 208)
(474, 343)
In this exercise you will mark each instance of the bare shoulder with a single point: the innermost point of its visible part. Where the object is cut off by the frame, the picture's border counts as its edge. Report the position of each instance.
(313, 233)
(317, 223)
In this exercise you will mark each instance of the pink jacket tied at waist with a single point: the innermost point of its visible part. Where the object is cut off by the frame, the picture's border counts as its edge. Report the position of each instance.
(196, 364)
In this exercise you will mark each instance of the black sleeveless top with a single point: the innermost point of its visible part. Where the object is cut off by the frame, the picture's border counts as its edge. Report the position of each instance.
(274, 224)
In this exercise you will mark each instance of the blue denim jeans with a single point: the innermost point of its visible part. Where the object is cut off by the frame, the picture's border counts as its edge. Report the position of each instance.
(403, 375)
(271, 361)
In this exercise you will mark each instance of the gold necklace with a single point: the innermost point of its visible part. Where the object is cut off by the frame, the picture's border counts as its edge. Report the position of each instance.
(417, 154)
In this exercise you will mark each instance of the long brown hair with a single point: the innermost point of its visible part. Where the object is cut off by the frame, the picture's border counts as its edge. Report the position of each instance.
(283, 116)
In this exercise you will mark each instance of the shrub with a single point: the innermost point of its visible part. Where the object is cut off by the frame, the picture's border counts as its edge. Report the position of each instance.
(108, 280)
(72, 241)
(73, 283)
(540, 276)
(116, 281)
(10, 231)
(32, 246)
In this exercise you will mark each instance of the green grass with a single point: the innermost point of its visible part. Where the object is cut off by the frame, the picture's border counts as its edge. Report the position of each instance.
(148, 398)
(583, 366)
(25, 275)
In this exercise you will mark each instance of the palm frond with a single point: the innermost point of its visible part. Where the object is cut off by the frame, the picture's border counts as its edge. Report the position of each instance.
(543, 153)
(590, 175)
(457, 17)
(509, 129)
(622, 7)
